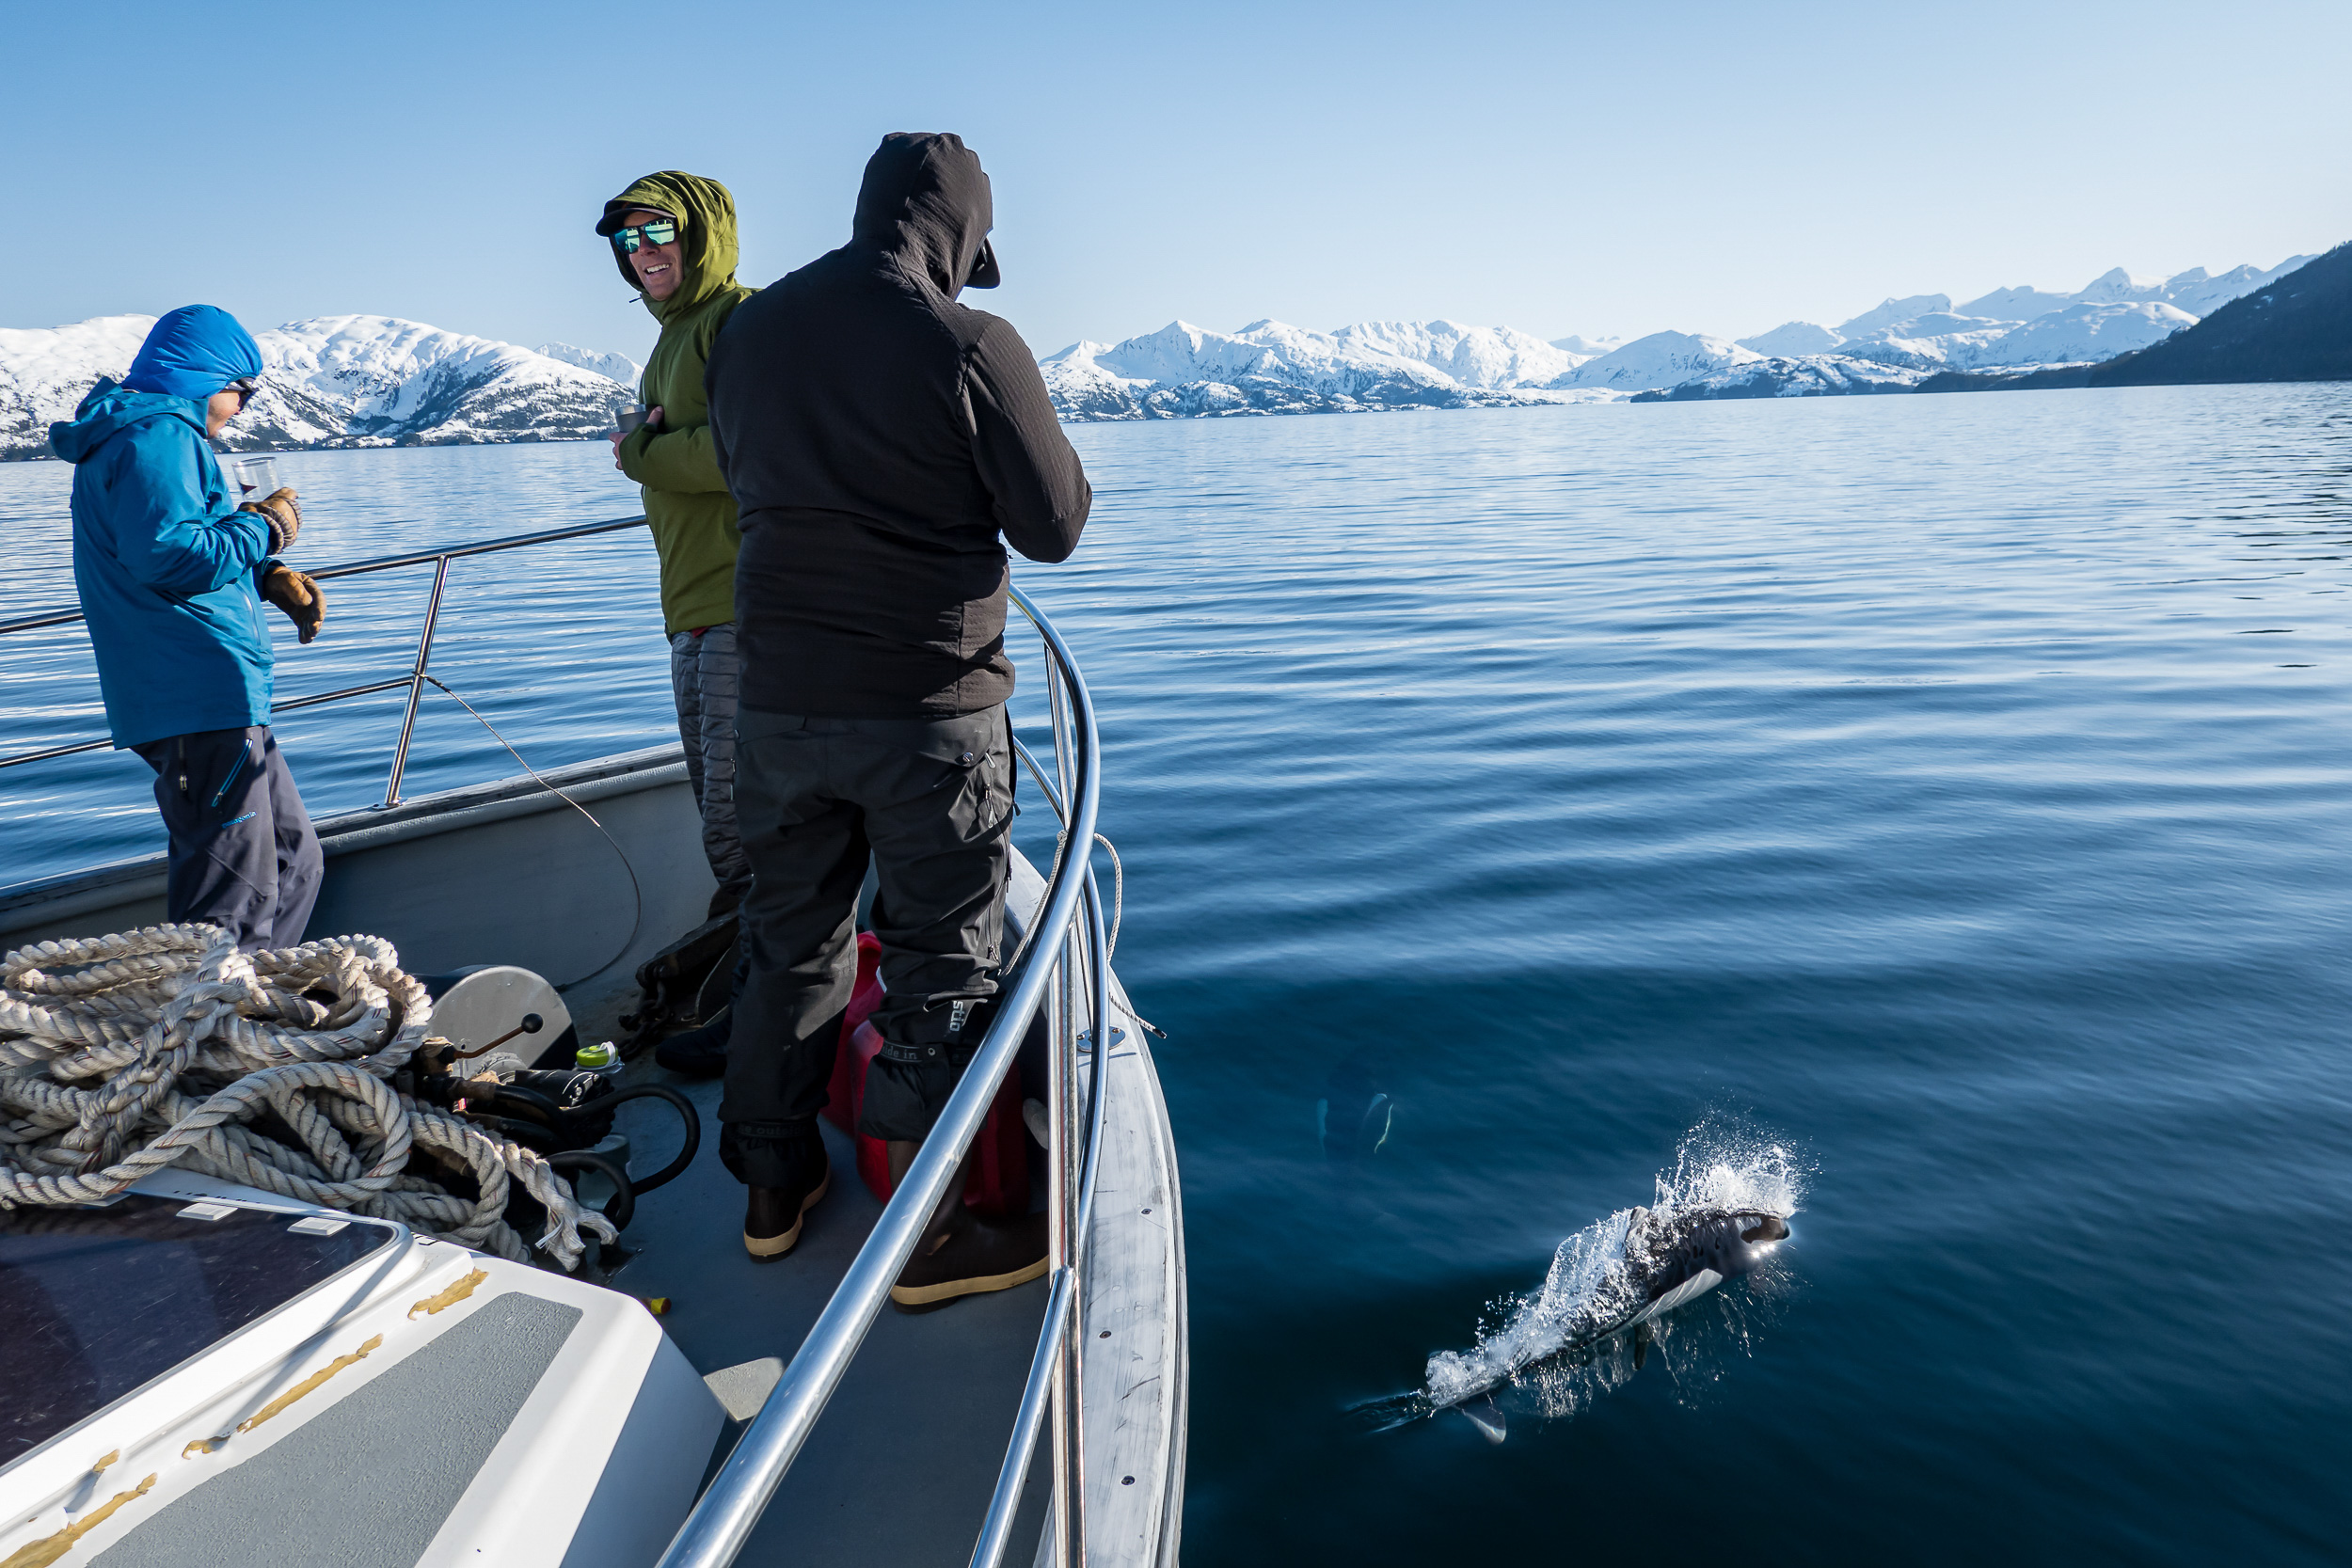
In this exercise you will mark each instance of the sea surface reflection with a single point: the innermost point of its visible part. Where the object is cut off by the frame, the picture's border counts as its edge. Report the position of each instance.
(1958, 787)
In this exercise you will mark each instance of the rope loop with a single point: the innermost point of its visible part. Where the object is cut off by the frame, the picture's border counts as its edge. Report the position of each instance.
(125, 1055)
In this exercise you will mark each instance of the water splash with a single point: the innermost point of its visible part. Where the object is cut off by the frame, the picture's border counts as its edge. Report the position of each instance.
(1560, 1346)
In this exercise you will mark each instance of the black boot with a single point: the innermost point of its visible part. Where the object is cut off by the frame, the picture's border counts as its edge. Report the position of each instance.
(801, 1174)
(699, 1053)
(971, 1258)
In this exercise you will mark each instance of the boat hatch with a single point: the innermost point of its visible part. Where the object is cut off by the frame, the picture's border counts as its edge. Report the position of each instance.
(99, 1301)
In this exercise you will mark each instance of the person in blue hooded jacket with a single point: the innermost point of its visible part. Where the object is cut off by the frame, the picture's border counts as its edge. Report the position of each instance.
(172, 574)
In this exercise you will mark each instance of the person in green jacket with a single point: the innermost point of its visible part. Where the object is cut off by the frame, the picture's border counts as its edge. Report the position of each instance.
(674, 238)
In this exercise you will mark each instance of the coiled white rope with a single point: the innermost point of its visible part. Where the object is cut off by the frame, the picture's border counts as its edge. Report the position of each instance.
(120, 1056)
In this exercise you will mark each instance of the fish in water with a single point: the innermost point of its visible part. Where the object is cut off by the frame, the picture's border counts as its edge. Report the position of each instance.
(1354, 1118)
(1715, 1221)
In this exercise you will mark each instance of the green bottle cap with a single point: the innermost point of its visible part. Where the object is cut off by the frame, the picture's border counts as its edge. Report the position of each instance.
(597, 1057)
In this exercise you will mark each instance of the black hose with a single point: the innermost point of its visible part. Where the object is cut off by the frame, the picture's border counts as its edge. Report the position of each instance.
(540, 1140)
(542, 1106)
(685, 1109)
(621, 1207)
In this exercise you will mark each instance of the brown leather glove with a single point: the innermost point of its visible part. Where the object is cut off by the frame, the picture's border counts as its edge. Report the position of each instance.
(284, 518)
(303, 600)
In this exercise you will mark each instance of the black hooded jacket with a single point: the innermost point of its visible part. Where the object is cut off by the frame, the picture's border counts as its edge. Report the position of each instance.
(879, 438)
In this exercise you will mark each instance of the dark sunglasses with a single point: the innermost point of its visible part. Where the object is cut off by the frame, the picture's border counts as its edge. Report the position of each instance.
(660, 231)
(245, 389)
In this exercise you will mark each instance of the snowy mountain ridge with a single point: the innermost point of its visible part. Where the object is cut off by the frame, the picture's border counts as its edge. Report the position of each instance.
(333, 381)
(2010, 327)
(614, 367)
(357, 381)
(1269, 367)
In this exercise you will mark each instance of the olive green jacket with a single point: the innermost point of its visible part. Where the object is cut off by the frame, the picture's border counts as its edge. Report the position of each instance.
(687, 502)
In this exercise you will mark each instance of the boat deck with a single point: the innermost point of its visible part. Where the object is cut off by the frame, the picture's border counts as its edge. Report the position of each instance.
(900, 1468)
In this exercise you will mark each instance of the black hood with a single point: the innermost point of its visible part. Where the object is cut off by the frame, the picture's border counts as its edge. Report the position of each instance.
(926, 200)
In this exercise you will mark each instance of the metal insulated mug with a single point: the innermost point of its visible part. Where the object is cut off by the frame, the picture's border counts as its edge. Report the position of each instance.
(629, 415)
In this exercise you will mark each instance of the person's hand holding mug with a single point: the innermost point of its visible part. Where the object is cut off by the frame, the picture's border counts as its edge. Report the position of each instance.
(279, 509)
(652, 421)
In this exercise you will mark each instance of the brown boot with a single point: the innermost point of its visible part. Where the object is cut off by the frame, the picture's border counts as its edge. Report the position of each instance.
(971, 1258)
(772, 1215)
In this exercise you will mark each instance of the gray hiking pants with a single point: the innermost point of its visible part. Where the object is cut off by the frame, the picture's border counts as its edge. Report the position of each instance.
(243, 853)
(706, 675)
(929, 804)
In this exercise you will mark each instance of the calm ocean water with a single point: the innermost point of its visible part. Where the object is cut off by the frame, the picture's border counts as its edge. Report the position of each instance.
(1953, 791)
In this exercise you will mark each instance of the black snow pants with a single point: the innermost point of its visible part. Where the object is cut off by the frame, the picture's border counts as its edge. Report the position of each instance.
(242, 854)
(930, 801)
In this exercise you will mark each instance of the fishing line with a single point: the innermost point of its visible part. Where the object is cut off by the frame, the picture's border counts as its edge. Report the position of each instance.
(636, 892)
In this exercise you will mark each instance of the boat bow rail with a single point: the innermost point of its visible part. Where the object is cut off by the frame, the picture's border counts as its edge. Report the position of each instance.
(1064, 958)
(1065, 944)
(438, 559)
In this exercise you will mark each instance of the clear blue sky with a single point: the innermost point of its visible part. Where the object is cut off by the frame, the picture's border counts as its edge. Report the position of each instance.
(1593, 168)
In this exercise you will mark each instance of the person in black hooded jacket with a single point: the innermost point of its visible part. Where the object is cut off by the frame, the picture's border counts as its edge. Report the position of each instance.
(882, 443)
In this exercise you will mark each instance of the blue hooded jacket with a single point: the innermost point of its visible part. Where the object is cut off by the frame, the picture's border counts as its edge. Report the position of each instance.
(168, 568)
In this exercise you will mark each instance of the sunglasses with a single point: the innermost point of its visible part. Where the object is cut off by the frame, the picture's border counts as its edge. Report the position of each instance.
(660, 231)
(245, 389)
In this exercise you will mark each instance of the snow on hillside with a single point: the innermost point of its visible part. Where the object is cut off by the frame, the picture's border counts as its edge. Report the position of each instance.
(1793, 338)
(1470, 355)
(1811, 376)
(2007, 328)
(336, 381)
(1661, 359)
(2085, 331)
(1888, 311)
(614, 367)
(1925, 328)
(348, 381)
(1935, 340)
(2013, 305)
(1183, 370)
(45, 370)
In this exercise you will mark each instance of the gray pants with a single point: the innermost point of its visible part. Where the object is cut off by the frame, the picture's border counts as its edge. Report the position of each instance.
(929, 804)
(706, 675)
(243, 853)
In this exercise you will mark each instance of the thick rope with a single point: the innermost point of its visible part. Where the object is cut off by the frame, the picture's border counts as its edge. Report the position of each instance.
(123, 1056)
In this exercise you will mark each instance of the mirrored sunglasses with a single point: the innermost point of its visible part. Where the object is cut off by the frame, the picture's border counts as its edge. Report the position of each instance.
(244, 387)
(660, 232)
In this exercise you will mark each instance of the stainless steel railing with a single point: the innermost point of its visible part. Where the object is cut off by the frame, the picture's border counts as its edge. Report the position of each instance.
(1060, 948)
(414, 680)
(1056, 949)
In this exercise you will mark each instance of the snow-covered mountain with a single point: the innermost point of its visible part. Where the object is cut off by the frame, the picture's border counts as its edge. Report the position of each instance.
(614, 367)
(2085, 331)
(1470, 356)
(352, 381)
(1661, 359)
(1792, 338)
(2013, 328)
(1812, 375)
(1183, 370)
(45, 370)
(335, 381)
(1931, 328)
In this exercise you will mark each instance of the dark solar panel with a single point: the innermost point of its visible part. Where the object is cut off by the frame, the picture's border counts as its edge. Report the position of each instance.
(99, 1301)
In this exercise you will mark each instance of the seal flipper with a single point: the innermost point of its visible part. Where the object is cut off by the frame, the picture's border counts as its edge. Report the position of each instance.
(1486, 1417)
